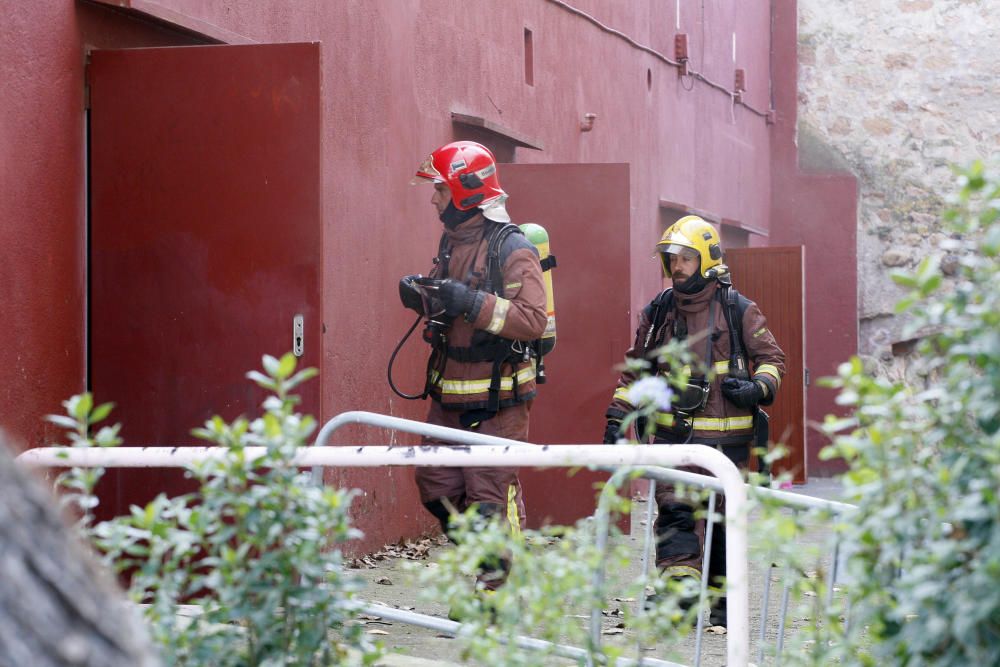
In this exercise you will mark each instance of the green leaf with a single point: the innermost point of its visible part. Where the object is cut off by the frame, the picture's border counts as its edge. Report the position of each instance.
(101, 412)
(286, 366)
(301, 376)
(60, 420)
(79, 406)
(262, 380)
(271, 365)
(107, 436)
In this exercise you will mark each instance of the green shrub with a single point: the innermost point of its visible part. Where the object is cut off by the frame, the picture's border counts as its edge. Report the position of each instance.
(254, 551)
(924, 464)
(551, 589)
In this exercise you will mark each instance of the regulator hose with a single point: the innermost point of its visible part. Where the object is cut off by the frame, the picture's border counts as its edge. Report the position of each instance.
(392, 359)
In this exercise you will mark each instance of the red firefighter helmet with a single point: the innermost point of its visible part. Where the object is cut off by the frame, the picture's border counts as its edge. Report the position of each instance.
(468, 169)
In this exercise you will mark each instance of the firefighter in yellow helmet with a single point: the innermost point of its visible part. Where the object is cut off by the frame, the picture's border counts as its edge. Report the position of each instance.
(738, 367)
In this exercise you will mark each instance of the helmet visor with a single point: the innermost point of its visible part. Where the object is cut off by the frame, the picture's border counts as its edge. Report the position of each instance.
(677, 249)
(427, 172)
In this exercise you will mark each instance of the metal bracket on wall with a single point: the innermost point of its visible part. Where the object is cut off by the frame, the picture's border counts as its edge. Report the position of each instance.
(297, 335)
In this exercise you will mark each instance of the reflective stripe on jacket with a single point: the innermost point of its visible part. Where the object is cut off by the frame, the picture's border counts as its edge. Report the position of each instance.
(518, 314)
(720, 422)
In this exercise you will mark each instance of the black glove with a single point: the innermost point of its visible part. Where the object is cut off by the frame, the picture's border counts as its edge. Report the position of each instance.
(744, 394)
(409, 294)
(612, 432)
(457, 297)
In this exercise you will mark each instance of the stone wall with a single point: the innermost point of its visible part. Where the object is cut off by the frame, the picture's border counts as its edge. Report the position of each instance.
(896, 91)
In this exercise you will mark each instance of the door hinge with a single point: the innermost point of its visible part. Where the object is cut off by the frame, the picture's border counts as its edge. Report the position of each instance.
(297, 335)
(805, 378)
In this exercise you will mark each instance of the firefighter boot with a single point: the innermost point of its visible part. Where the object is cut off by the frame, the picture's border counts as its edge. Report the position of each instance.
(717, 615)
(682, 582)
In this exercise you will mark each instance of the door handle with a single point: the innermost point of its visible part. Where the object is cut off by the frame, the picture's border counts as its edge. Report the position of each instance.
(297, 335)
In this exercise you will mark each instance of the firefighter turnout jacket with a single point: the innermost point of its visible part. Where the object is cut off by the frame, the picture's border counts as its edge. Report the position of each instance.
(490, 344)
(719, 422)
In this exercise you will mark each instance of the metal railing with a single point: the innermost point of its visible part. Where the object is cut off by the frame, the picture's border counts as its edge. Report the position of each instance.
(795, 501)
(491, 451)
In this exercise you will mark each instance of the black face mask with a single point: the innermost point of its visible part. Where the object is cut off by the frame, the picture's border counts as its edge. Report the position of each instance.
(452, 217)
(692, 285)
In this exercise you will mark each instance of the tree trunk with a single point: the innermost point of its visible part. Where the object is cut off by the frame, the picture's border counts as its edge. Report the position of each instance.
(58, 606)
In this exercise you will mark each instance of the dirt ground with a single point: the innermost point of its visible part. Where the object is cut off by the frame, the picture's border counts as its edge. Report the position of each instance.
(388, 582)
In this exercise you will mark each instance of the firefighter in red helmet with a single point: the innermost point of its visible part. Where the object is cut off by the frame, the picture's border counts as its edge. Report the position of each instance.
(482, 311)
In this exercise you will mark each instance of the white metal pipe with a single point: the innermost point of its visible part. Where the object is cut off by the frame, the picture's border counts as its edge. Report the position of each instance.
(461, 437)
(785, 497)
(763, 614)
(540, 456)
(454, 628)
(378, 420)
(647, 555)
(410, 426)
(706, 560)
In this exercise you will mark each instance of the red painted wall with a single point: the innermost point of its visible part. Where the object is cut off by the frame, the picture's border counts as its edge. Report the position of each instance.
(43, 203)
(392, 73)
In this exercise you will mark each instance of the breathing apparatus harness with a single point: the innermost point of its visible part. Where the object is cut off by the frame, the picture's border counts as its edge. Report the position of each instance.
(484, 345)
(694, 396)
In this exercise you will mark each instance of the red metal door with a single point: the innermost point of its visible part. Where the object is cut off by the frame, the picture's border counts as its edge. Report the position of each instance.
(204, 236)
(773, 278)
(585, 208)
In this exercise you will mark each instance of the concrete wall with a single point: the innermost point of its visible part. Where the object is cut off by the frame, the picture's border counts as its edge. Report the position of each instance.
(896, 91)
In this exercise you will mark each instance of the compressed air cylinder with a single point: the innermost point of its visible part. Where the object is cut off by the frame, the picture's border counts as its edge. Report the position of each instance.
(540, 239)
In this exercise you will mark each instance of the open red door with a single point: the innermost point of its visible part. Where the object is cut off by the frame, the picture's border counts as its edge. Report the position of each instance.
(585, 208)
(773, 278)
(204, 236)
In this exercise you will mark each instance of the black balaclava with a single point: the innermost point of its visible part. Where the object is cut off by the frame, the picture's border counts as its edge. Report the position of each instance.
(692, 285)
(452, 217)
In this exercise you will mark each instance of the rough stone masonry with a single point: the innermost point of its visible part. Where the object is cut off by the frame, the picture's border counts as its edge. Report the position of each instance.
(896, 91)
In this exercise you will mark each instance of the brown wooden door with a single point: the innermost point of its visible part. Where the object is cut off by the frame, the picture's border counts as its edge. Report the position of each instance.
(204, 236)
(773, 278)
(585, 208)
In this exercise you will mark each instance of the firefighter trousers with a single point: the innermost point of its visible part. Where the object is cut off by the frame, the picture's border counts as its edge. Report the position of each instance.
(680, 536)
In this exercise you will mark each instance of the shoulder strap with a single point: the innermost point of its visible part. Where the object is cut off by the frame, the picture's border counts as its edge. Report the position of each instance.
(734, 306)
(441, 261)
(494, 272)
(659, 307)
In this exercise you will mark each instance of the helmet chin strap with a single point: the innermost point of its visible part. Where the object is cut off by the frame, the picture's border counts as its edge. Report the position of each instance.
(452, 217)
